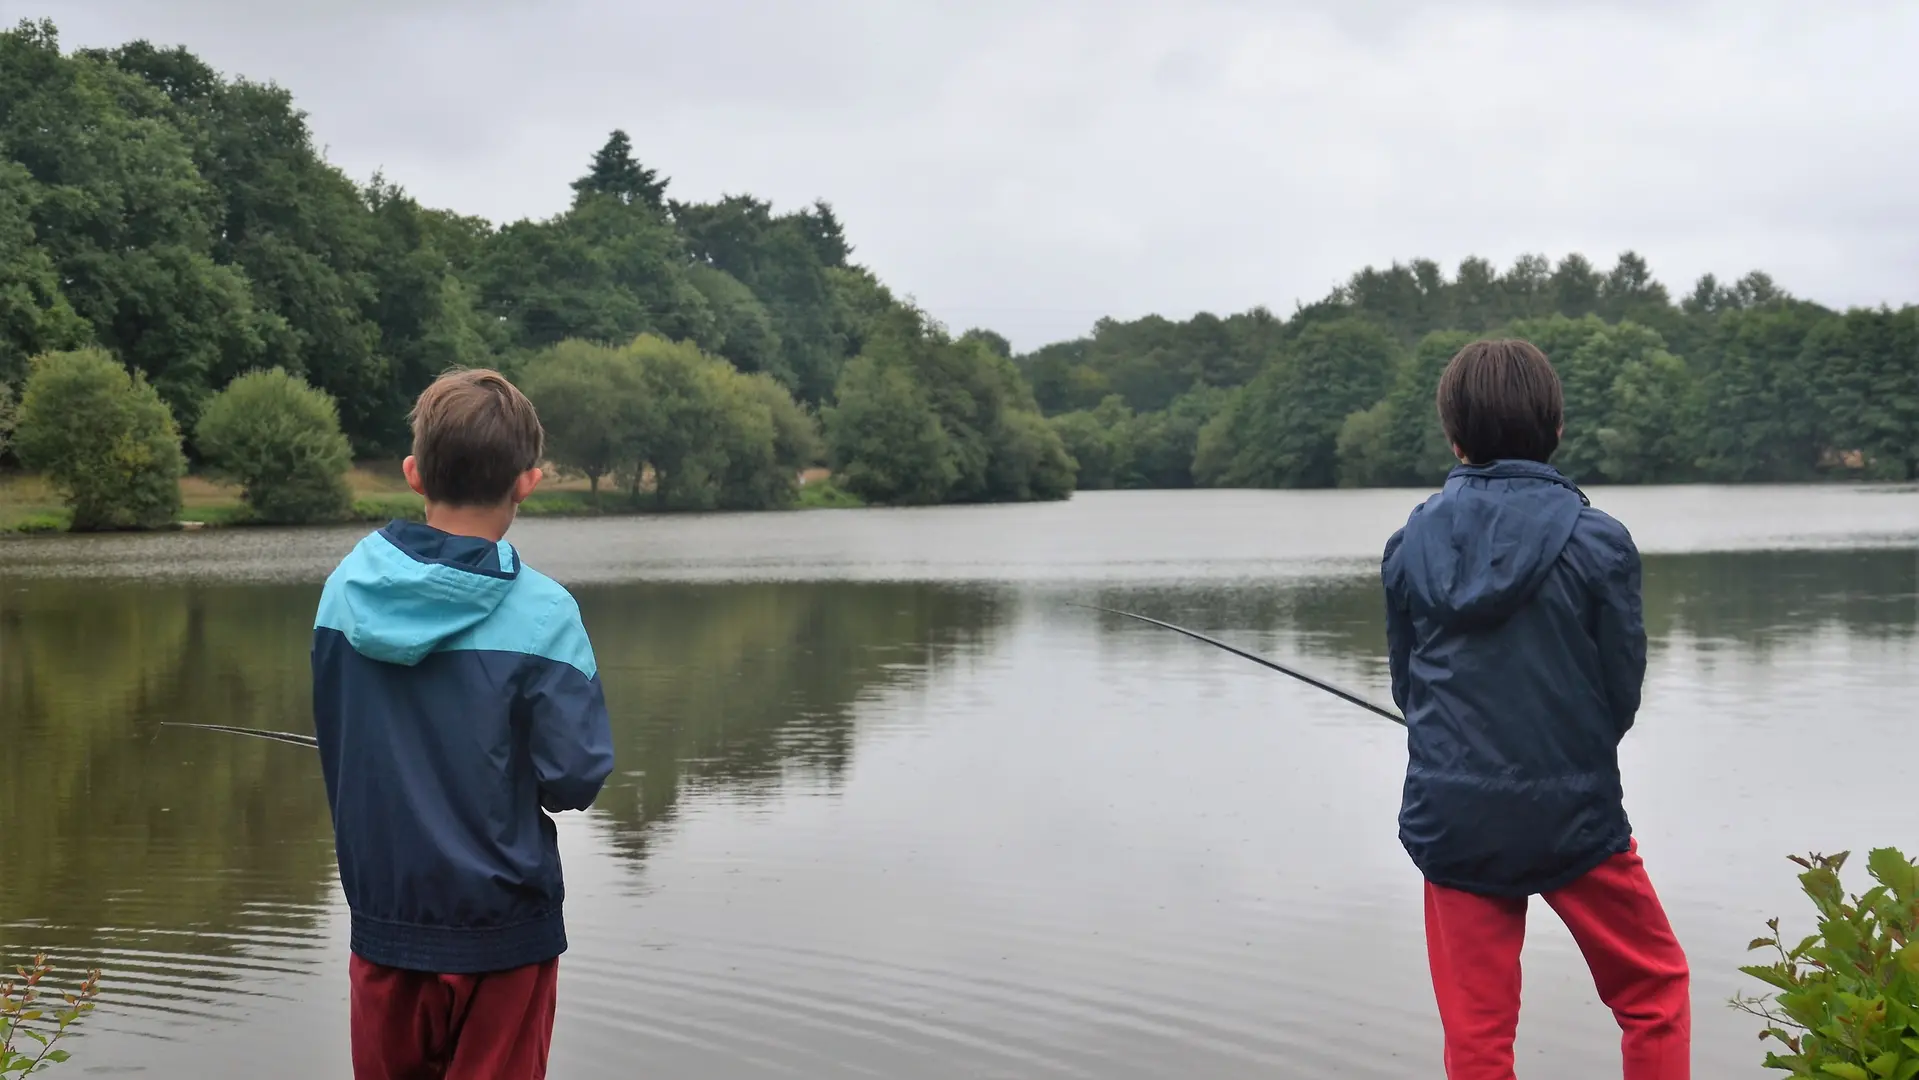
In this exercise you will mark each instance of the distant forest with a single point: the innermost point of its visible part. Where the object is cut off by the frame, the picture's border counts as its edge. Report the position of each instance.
(185, 222)
(1736, 382)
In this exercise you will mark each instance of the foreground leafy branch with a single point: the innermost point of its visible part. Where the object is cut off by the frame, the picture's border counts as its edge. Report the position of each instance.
(29, 1027)
(1846, 1000)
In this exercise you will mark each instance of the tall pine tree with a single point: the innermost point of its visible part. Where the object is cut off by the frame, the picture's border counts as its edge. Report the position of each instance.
(616, 172)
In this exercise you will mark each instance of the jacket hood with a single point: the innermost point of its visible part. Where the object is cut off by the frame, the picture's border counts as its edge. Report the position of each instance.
(1475, 552)
(409, 588)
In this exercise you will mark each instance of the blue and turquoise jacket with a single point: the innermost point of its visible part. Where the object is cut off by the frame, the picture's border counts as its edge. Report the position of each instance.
(457, 703)
(1517, 647)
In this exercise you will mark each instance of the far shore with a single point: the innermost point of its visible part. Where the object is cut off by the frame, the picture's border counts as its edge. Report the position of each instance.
(29, 505)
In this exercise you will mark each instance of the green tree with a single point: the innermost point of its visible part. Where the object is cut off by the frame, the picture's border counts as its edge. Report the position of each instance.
(785, 259)
(1867, 372)
(1029, 461)
(35, 316)
(617, 174)
(104, 438)
(1590, 376)
(707, 435)
(1755, 423)
(752, 476)
(1416, 450)
(1575, 286)
(995, 342)
(1157, 449)
(680, 438)
(1653, 434)
(1093, 446)
(427, 315)
(603, 271)
(125, 216)
(1477, 303)
(887, 442)
(1525, 289)
(591, 405)
(1282, 430)
(977, 396)
(280, 440)
(746, 335)
(796, 434)
(7, 418)
(1366, 457)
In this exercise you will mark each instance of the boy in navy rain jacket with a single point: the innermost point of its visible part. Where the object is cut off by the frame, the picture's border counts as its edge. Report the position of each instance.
(1517, 650)
(457, 703)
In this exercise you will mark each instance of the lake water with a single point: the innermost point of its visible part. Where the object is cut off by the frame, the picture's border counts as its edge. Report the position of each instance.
(888, 805)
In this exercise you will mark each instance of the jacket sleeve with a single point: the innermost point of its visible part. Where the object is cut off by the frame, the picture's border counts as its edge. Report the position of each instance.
(1621, 631)
(570, 736)
(1399, 631)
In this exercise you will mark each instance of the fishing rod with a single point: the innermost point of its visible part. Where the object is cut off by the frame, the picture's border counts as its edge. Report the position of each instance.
(258, 733)
(1337, 691)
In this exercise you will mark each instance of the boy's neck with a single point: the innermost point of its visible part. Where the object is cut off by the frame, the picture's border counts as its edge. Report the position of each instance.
(485, 522)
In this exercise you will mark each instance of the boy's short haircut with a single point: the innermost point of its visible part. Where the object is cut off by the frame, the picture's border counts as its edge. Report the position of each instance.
(474, 434)
(1501, 401)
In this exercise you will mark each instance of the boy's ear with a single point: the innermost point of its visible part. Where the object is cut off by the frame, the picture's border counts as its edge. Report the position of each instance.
(411, 468)
(524, 486)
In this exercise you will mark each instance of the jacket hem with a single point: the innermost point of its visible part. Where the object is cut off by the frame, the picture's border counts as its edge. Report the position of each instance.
(445, 950)
(1511, 890)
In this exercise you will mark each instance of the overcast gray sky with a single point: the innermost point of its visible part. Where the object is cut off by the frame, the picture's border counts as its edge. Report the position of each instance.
(1032, 166)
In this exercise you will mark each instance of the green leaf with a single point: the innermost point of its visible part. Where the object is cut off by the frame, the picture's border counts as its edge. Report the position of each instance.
(1771, 976)
(1885, 1064)
(1846, 1071)
(1898, 873)
(58, 1056)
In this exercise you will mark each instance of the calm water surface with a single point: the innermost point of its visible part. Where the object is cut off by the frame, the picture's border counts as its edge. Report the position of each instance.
(887, 805)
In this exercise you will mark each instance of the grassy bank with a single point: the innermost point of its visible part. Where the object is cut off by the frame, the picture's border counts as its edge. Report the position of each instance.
(29, 504)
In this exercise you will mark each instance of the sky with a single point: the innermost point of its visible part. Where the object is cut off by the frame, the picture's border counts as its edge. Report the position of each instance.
(1031, 167)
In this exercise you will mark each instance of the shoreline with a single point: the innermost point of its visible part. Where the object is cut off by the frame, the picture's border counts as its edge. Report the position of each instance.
(29, 508)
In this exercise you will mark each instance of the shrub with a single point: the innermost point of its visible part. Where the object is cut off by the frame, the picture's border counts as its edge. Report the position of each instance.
(103, 438)
(280, 440)
(29, 1028)
(1847, 1001)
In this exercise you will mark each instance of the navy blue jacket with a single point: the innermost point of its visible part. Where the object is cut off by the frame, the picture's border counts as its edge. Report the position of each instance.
(456, 700)
(1517, 646)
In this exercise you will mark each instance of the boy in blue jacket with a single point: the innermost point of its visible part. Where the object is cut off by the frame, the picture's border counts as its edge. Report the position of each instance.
(457, 704)
(1517, 648)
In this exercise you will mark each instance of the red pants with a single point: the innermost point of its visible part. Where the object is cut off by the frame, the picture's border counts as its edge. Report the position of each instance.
(1473, 943)
(409, 1025)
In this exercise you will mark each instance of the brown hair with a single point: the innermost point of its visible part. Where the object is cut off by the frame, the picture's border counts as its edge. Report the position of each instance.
(474, 434)
(1501, 400)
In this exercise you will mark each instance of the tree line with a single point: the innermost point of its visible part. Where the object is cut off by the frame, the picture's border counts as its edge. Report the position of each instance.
(183, 224)
(1735, 382)
(698, 355)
